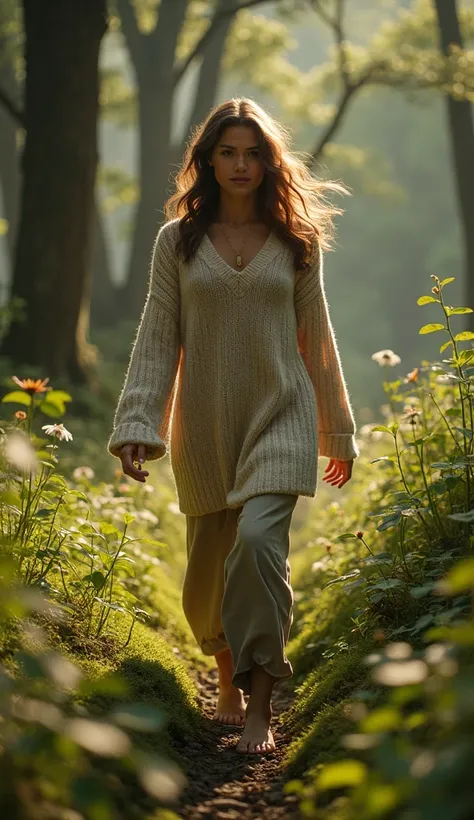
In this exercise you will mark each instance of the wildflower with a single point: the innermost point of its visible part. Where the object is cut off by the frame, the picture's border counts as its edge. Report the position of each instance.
(32, 385)
(57, 430)
(20, 415)
(118, 473)
(413, 375)
(435, 289)
(360, 534)
(386, 358)
(436, 278)
(410, 414)
(85, 471)
(328, 548)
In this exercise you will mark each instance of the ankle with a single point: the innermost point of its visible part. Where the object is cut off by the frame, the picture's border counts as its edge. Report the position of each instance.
(259, 711)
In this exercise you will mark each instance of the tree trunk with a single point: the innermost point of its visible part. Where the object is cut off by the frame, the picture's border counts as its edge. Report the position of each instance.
(461, 130)
(155, 111)
(211, 66)
(9, 170)
(58, 165)
(104, 303)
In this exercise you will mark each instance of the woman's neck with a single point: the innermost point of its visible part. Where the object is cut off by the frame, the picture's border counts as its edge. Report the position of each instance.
(233, 211)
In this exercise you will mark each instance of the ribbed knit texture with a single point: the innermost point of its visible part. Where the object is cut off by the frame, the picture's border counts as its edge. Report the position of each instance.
(237, 374)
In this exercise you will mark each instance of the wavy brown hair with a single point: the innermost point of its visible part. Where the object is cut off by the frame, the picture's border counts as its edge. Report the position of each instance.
(291, 201)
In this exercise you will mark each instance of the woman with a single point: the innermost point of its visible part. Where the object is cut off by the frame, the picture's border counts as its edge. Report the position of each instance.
(235, 366)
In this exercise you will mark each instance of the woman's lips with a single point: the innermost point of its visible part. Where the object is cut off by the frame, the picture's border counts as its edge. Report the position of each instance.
(240, 181)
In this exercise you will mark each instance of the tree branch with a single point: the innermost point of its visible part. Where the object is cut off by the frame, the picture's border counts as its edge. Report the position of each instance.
(15, 112)
(181, 69)
(346, 97)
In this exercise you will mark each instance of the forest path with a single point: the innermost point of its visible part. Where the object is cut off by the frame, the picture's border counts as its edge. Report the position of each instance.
(226, 784)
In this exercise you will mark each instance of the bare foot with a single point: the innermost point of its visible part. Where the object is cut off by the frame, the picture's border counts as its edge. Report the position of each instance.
(257, 737)
(230, 708)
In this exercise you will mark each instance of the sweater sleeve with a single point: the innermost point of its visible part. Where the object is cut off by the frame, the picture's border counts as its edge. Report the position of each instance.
(318, 347)
(144, 407)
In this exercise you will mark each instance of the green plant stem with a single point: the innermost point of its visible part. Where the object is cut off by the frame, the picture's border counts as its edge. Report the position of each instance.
(418, 513)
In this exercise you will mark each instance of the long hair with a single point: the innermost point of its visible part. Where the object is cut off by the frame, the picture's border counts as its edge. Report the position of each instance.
(290, 200)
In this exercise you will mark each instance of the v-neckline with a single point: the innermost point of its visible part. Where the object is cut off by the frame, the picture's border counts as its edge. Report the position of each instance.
(239, 280)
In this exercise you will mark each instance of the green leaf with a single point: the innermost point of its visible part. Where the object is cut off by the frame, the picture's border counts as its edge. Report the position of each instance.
(422, 622)
(425, 300)
(444, 346)
(43, 513)
(421, 591)
(466, 517)
(345, 536)
(342, 773)
(389, 521)
(383, 458)
(343, 578)
(462, 634)
(383, 719)
(109, 529)
(460, 578)
(59, 395)
(52, 410)
(380, 428)
(97, 579)
(446, 281)
(18, 397)
(465, 356)
(387, 583)
(465, 431)
(464, 336)
(431, 328)
(458, 310)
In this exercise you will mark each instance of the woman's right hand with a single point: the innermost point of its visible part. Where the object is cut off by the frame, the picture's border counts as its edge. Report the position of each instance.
(129, 454)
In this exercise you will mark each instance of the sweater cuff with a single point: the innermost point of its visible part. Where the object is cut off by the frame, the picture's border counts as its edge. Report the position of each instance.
(338, 445)
(136, 433)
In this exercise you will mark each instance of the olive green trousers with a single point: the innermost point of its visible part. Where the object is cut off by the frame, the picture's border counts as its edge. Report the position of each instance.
(237, 589)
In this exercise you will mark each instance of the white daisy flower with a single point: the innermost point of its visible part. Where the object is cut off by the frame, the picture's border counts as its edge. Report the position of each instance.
(57, 430)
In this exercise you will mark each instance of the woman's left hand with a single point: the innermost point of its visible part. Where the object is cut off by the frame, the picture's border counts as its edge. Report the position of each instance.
(338, 472)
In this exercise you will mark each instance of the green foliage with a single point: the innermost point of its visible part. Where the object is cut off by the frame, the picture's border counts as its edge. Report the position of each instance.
(398, 660)
(91, 700)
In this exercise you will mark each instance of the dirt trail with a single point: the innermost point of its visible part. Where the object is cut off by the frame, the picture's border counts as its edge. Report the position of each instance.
(226, 784)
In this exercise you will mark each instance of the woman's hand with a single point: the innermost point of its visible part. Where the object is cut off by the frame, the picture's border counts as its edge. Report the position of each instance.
(130, 454)
(338, 471)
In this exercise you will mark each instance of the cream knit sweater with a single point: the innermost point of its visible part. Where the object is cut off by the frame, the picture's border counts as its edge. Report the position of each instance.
(237, 373)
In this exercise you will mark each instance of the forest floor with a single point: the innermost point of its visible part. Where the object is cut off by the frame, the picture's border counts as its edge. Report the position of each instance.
(224, 783)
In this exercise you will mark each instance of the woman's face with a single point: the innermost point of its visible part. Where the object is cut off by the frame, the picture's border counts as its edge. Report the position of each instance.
(236, 155)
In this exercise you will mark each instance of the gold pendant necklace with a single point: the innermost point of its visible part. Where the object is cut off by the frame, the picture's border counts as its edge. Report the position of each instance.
(238, 258)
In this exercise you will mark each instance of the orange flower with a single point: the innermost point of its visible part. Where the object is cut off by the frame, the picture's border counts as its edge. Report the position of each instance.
(32, 385)
(413, 376)
(21, 415)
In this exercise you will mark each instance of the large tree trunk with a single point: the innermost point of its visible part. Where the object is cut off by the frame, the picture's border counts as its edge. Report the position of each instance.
(155, 112)
(9, 170)
(153, 56)
(59, 165)
(104, 298)
(462, 144)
